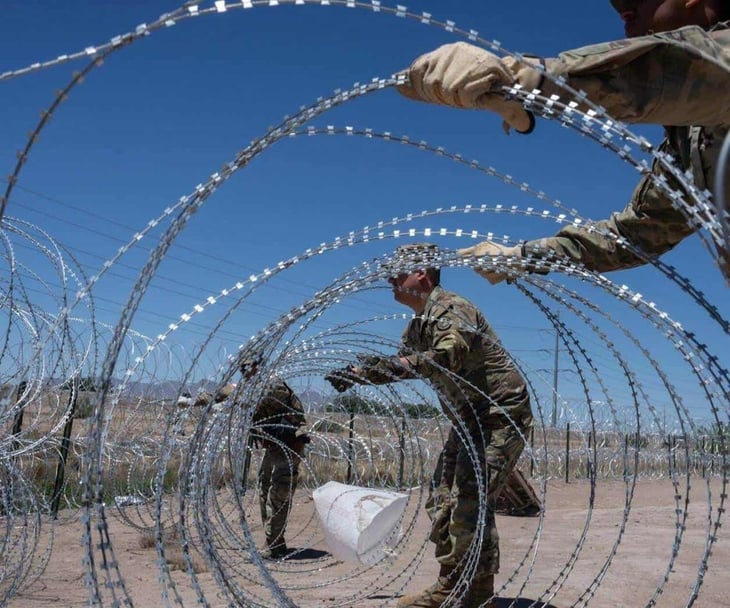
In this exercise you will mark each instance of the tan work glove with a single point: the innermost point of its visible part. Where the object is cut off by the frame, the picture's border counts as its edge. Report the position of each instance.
(465, 76)
(487, 248)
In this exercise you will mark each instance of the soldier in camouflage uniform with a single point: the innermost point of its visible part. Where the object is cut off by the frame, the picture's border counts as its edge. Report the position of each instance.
(276, 421)
(679, 78)
(450, 344)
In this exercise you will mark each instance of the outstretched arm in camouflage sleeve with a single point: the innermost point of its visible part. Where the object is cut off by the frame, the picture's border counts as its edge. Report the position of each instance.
(678, 78)
(384, 370)
(675, 78)
(448, 350)
(649, 223)
(372, 369)
(648, 227)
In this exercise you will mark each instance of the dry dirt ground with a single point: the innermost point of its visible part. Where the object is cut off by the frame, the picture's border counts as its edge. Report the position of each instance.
(556, 559)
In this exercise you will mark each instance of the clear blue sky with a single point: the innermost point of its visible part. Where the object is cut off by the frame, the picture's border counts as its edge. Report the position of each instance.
(163, 114)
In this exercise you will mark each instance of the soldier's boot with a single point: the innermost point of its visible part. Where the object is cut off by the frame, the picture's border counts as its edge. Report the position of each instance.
(480, 593)
(435, 596)
(275, 551)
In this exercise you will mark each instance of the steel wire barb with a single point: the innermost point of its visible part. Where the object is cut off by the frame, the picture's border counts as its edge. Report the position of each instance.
(659, 322)
(36, 362)
(680, 527)
(77, 348)
(674, 395)
(722, 203)
(45, 327)
(574, 347)
(25, 542)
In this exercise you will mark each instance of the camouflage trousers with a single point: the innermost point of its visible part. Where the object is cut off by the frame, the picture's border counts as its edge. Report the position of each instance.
(455, 512)
(503, 452)
(278, 477)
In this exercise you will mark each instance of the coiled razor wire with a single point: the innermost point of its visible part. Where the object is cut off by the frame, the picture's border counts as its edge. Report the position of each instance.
(349, 286)
(313, 309)
(193, 475)
(697, 209)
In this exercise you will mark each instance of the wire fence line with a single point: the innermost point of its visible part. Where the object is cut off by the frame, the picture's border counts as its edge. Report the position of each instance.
(379, 460)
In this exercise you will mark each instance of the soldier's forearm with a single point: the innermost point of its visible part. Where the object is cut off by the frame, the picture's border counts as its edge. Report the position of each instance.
(660, 79)
(595, 252)
(649, 224)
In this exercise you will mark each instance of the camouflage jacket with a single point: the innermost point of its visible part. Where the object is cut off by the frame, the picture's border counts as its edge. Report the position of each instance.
(278, 415)
(680, 79)
(456, 350)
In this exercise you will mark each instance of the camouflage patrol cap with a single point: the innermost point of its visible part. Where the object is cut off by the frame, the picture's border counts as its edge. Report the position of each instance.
(413, 256)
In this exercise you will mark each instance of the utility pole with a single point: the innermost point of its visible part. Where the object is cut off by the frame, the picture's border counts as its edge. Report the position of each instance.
(554, 418)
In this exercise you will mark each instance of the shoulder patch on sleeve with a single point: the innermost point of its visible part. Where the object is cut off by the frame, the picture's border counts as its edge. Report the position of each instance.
(443, 323)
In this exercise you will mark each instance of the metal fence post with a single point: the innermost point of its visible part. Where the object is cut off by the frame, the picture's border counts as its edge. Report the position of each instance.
(402, 455)
(567, 453)
(18, 418)
(350, 447)
(588, 456)
(532, 452)
(6, 496)
(63, 456)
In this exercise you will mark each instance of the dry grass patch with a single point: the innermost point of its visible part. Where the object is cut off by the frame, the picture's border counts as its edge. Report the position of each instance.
(173, 552)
